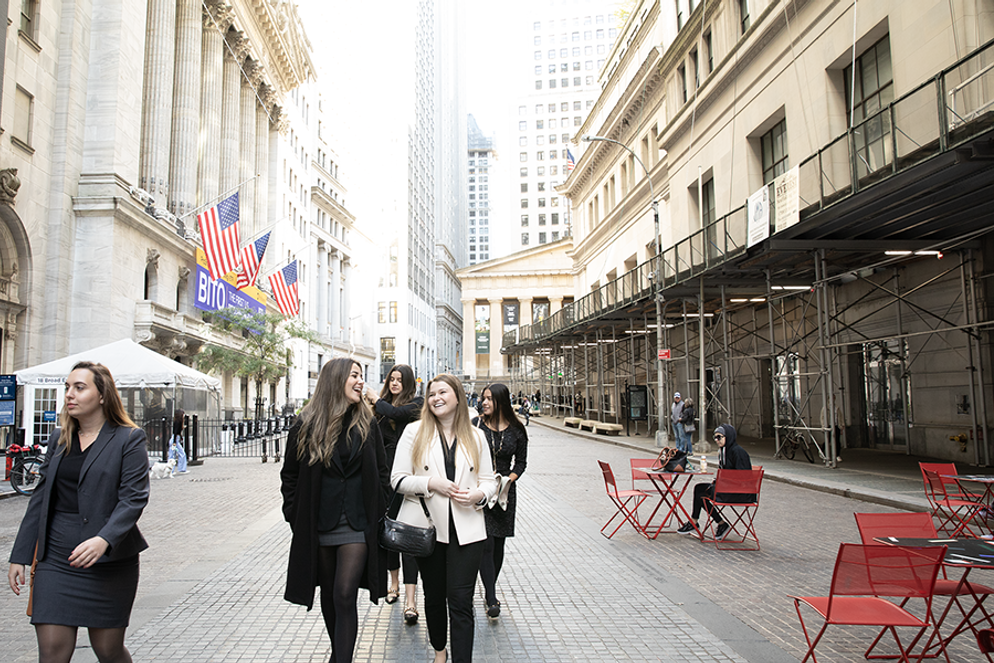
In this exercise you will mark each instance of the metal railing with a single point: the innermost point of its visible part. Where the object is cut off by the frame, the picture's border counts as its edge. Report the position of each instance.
(246, 438)
(951, 108)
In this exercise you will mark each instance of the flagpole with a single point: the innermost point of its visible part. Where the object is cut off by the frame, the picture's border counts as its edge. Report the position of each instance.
(224, 195)
(292, 258)
(265, 230)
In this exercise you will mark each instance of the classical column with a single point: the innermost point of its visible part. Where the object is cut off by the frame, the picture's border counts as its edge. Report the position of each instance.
(230, 112)
(469, 337)
(496, 337)
(334, 303)
(262, 219)
(555, 304)
(182, 193)
(524, 311)
(216, 23)
(247, 172)
(322, 288)
(346, 300)
(157, 104)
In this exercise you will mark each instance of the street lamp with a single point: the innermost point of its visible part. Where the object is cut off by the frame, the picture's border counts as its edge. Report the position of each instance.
(662, 434)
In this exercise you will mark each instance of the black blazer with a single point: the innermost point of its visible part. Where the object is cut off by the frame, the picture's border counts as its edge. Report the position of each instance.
(393, 420)
(113, 492)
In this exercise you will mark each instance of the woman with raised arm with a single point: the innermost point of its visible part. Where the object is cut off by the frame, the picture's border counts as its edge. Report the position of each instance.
(396, 406)
(444, 459)
(82, 523)
(334, 483)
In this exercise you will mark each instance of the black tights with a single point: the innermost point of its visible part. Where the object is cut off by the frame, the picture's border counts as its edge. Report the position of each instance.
(56, 644)
(490, 566)
(339, 572)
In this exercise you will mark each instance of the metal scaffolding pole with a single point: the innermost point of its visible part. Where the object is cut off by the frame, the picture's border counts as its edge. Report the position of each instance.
(980, 362)
(828, 388)
(971, 367)
(702, 369)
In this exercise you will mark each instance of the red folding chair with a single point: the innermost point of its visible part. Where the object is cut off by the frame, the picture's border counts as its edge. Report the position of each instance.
(736, 496)
(920, 526)
(863, 575)
(953, 489)
(622, 499)
(985, 640)
(953, 513)
(638, 467)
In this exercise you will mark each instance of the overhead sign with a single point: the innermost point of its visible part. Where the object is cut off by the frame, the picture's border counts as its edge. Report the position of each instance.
(664, 354)
(758, 211)
(213, 295)
(786, 209)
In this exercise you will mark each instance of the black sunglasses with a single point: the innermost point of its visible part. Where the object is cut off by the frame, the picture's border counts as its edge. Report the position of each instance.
(719, 435)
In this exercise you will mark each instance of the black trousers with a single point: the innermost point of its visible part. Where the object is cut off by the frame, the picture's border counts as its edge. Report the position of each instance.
(701, 491)
(449, 579)
(410, 565)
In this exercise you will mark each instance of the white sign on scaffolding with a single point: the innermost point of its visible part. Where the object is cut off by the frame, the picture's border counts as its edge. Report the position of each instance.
(758, 210)
(785, 200)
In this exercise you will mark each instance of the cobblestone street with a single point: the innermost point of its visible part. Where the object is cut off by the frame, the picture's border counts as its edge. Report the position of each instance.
(212, 580)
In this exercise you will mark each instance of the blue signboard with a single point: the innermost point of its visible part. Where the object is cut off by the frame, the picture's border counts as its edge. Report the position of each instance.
(8, 386)
(7, 413)
(48, 416)
(220, 294)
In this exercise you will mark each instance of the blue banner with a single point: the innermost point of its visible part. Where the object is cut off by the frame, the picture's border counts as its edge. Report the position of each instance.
(220, 294)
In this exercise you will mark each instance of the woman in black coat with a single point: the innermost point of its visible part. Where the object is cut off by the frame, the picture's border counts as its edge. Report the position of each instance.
(334, 482)
(396, 406)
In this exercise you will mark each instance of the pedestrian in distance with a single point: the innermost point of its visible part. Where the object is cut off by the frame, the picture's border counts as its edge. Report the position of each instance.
(731, 456)
(508, 442)
(687, 417)
(81, 523)
(334, 482)
(525, 409)
(395, 407)
(444, 459)
(176, 450)
(676, 411)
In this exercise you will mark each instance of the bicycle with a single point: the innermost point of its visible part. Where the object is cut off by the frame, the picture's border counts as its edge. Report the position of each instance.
(790, 440)
(25, 469)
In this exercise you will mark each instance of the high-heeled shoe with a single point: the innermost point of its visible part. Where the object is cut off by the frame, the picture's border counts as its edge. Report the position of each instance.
(411, 615)
(493, 611)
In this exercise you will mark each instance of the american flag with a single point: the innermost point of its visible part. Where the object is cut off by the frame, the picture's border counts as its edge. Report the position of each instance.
(219, 230)
(284, 285)
(570, 163)
(252, 261)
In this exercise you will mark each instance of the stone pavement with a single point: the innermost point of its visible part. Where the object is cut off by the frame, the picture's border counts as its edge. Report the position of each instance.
(212, 580)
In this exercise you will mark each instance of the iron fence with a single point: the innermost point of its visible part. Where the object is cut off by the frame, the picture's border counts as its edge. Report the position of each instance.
(247, 438)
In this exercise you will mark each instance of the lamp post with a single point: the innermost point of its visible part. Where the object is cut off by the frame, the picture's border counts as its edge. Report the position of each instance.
(662, 433)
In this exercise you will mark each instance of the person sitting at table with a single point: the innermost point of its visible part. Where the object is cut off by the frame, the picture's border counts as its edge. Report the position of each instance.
(730, 457)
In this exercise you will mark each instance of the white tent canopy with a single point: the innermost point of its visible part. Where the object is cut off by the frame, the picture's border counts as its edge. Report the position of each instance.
(131, 364)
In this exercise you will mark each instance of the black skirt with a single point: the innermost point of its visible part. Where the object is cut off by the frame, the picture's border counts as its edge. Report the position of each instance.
(98, 597)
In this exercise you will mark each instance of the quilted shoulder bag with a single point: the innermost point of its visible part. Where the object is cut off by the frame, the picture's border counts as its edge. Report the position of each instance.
(402, 537)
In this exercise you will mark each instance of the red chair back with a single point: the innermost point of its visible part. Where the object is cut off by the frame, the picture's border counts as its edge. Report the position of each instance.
(609, 482)
(941, 469)
(906, 525)
(747, 482)
(935, 485)
(637, 473)
(880, 570)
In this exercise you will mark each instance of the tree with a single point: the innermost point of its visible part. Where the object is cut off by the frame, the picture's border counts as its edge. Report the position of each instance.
(264, 356)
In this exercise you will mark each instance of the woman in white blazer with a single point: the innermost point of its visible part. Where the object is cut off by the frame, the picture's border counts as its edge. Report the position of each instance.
(444, 459)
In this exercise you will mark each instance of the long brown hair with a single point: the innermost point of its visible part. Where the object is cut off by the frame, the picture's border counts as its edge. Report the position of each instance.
(500, 396)
(462, 427)
(323, 415)
(113, 408)
(408, 385)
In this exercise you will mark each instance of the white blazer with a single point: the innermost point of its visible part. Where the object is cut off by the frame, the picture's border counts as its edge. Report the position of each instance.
(469, 521)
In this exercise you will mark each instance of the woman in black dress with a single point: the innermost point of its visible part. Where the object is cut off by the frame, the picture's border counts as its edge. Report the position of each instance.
(508, 441)
(396, 406)
(334, 483)
(83, 519)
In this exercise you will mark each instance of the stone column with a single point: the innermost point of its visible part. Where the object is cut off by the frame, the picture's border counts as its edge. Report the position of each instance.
(246, 157)
(230, 114)
(216, 23)
(157, 104)
(496, 337)
(524, 310)
(555, 304)
(262, 219)
(469, 337)
(346, 299)
(322, 288)
(182, 193)
(334, 302)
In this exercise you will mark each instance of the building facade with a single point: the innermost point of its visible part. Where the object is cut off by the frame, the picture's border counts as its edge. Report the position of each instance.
(825, 251)
(482, 160)
(560, 50)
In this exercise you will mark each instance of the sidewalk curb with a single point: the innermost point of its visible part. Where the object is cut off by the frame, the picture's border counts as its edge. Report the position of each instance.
(833, 488)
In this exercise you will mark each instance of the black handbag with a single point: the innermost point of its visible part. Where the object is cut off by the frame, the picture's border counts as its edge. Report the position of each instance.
(401, 537)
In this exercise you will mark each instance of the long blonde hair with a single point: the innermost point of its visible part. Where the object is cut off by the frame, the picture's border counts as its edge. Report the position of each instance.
(113, 408)
(462, 427)
(323, 415)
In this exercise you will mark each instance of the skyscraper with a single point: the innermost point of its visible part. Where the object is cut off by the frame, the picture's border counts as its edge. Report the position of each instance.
(482, 158)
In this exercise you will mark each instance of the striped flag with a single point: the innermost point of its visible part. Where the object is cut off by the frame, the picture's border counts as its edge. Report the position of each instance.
(284, 285)
(252, 261)
(570, 163)
(219, 230)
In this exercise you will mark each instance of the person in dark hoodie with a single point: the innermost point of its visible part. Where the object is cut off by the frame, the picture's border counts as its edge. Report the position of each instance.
(730, 457)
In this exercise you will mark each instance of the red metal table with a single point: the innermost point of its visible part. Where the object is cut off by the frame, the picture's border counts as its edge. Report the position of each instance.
(671, 486)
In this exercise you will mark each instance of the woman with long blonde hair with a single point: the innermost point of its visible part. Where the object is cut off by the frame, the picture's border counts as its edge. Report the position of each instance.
(334, 479)
(444, 459)
(87, 573)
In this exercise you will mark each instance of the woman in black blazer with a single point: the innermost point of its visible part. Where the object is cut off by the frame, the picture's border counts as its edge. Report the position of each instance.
(395, 407)
(83, 518)
(334, 483)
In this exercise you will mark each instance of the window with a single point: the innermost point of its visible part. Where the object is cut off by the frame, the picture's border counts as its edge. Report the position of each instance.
(541, 202)
(540, 170)
(23, 116)
(538, 85)
(541, 238)
(539, 124)
(522, 110)
(552, 68)
(539, 108)
(555, 219)
(576, 80)
(382, 312)
(552, 54)
(576, 66)
(874, 90)
(522, 126)
(590, 81)
(576, 36)
(541, 186)
(564, 52)
(774, 147)
(540, 140)
(564, 67)
(524, 172)
(393, 311)
(744, 15)
(564, 82)
(552, 84)
(576, 105)
(565, 138)
(709, 51)
(522, 141)
(555, 236)
(524, 220)
(695, 66)
(540, 156)
(541, 219)
(681, 76)
(523, 156)
(524, 187)
(538, 55)
(577, 121)
(553, 170)
(524, 203)
(552, 138)
(600, 33)
(29, 9)
(708, 198)
(538, 40)
(524, 239)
